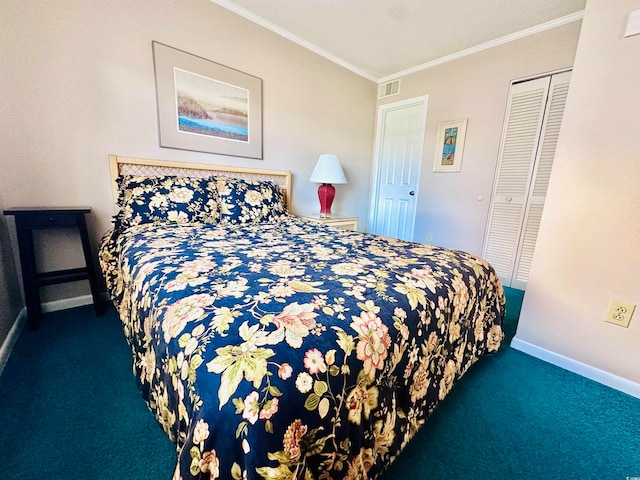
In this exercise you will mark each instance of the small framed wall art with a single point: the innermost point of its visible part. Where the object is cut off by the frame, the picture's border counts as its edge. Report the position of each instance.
(206, 107)
(449, 146)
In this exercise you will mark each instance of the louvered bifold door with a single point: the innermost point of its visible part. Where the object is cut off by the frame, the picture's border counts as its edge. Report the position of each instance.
(520, 136)
(557, 98)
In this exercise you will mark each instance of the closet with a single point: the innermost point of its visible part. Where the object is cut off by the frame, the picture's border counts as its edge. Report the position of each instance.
(530, 134)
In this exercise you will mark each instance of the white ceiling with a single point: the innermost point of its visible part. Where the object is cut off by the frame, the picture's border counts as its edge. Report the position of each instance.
(380, 39)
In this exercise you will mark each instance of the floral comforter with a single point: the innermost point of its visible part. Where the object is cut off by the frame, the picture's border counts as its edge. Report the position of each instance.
(293, 350)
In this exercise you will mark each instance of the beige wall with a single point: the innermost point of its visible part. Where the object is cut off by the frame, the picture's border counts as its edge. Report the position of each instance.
(77, 84)
(588, 249)
(10, 299)
(474, 87)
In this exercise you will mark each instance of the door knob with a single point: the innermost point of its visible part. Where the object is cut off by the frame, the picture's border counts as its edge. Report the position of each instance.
(412, 193)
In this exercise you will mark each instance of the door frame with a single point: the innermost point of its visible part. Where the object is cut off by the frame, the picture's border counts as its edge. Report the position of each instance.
(375, 171)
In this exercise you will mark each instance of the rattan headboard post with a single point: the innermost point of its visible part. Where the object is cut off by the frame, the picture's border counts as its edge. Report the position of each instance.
(119, 165)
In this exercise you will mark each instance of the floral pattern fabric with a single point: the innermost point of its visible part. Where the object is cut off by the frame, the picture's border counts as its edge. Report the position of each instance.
(249, 201)
(292, 350)
(167, 199)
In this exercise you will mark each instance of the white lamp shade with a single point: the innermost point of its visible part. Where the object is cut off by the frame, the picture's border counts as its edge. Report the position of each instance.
(328, 170)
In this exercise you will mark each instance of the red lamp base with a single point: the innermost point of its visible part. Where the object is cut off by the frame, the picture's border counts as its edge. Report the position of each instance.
(326, 193)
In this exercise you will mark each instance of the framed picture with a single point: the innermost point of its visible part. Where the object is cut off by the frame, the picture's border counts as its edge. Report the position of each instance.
(449, 146)
(206, 107)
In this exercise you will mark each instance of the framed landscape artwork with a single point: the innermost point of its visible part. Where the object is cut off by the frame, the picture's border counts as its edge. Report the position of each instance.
(206, 107)
(449, 146)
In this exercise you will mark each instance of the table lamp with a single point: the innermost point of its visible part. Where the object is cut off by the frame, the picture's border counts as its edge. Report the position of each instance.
(327, 171)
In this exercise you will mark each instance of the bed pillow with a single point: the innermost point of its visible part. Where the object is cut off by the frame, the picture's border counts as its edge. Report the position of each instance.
(166, 199)
(249, 201)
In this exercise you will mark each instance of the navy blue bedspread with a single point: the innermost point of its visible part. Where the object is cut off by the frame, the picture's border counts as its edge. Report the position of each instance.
(294, 350)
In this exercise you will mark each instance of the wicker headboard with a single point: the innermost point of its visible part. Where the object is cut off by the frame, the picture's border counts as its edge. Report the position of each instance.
(147, 167)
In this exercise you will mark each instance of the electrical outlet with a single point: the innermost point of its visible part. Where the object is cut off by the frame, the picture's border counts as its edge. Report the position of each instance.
(428, 236)
(620, 313)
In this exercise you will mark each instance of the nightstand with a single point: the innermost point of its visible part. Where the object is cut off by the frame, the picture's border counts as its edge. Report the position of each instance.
(346, 223)
(32, 218)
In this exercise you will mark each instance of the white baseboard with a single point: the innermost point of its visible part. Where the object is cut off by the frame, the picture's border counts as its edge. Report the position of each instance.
(65, 303)
(600, 376)
(12, 337)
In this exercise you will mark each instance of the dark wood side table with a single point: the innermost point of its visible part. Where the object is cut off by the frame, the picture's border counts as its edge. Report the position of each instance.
(32, 218)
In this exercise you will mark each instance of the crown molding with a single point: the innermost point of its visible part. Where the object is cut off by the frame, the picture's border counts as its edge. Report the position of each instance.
(252, 17)
(558, 22)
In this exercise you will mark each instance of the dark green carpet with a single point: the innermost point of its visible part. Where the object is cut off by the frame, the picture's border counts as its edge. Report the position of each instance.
(69, 409)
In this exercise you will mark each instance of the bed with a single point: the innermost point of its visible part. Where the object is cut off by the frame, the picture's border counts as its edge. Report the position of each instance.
(270, 347)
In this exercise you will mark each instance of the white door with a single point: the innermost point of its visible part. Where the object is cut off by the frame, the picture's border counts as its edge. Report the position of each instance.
(556, 99)
(532, 125)
(399, 141)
